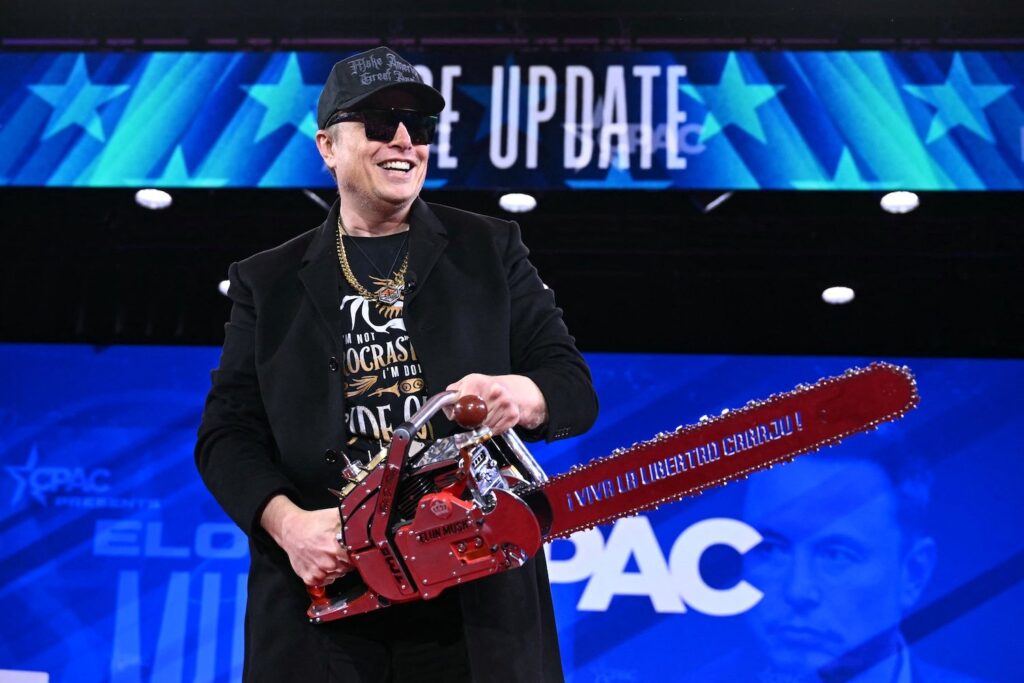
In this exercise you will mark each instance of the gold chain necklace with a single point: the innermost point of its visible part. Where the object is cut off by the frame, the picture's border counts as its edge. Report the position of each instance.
(388, 297)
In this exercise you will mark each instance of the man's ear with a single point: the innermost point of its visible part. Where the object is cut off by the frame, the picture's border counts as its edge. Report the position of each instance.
(327, 148)
(918, 564)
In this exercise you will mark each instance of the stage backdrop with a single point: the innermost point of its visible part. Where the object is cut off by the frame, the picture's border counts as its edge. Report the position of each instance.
(745, 120)
(904, 545)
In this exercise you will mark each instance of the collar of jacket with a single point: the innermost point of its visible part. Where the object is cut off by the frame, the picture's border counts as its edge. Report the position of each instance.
(320, 273)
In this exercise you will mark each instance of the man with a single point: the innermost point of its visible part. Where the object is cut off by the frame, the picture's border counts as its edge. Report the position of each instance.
(845, 557)
(335, 338)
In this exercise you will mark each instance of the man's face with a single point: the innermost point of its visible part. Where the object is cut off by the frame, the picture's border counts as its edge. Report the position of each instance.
(833, 566)
(360, 164)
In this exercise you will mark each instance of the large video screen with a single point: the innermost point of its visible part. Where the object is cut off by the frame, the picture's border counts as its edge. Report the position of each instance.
(542, 120)
(896, 556)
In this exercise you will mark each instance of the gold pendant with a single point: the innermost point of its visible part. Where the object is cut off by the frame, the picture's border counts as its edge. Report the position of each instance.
(388, 297)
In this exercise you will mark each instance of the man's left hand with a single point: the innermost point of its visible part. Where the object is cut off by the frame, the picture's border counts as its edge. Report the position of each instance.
(512, 400)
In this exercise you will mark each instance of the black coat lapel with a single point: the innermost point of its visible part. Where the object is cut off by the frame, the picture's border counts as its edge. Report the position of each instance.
(427, 239)
(319, 275)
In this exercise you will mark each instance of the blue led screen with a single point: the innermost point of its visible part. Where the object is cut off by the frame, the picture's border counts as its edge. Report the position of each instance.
(745, 120)
(903, 546)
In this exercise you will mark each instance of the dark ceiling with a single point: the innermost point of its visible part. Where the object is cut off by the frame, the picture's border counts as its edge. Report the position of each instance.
(649, 24)
(641, 271)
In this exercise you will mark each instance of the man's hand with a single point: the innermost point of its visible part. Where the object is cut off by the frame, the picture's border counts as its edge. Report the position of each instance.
(309, 538)
(511, 400)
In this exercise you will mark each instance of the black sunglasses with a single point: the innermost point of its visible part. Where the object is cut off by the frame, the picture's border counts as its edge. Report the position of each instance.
(382, 124)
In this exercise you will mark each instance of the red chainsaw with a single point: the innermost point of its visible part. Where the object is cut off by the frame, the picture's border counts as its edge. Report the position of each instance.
(418, 519)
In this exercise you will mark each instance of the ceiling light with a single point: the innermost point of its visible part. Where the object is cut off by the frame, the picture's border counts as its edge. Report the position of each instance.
(837, 295)
(151, 198)
(517, 202)
(223, 286)
(900, 202)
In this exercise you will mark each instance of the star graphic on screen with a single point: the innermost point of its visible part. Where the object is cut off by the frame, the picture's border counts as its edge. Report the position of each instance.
(176, 174)
(959, 102)
(733, 101)
(481, 94)
(21, 475)
(846, 177)
(289, 101)
(76, 100)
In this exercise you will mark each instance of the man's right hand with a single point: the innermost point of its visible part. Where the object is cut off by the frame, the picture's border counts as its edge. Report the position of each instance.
(309, 538)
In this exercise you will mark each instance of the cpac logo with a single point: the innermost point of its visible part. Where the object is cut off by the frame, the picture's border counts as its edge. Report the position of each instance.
(671, 586)
(40, 482)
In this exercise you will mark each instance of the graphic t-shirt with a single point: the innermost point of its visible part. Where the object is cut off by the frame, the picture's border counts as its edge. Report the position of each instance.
(384, 386)
(384, 383)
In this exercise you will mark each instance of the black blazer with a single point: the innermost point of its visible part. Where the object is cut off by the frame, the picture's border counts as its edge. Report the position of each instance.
(277, 404)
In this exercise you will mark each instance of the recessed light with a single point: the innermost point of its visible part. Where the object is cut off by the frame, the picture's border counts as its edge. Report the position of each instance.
(900, 202)
(837, 295)
(151, 198)
(517, 202)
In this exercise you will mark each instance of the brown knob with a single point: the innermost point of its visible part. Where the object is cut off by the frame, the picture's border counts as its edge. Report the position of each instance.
(469, 412)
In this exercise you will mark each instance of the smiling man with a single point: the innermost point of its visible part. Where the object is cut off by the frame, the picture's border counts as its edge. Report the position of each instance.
(337, 337)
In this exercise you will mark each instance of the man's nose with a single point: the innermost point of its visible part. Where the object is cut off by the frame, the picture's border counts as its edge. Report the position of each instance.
(401, 138)
(802, 588)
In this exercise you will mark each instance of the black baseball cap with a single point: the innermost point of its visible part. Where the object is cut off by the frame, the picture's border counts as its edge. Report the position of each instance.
(356, 78)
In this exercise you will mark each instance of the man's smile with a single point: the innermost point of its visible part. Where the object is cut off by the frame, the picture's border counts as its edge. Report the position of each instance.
(396, 165)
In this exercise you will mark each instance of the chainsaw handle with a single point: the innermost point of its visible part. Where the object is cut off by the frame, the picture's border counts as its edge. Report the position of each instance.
(468, 412)
(428, 410)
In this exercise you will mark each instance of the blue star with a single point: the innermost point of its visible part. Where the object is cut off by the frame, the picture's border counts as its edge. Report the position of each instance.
(846, 177)
(732, 101)
(176, 174)
(289, 101)
(76, 100)
(481, 94)
(22, 474)
(958, 102)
